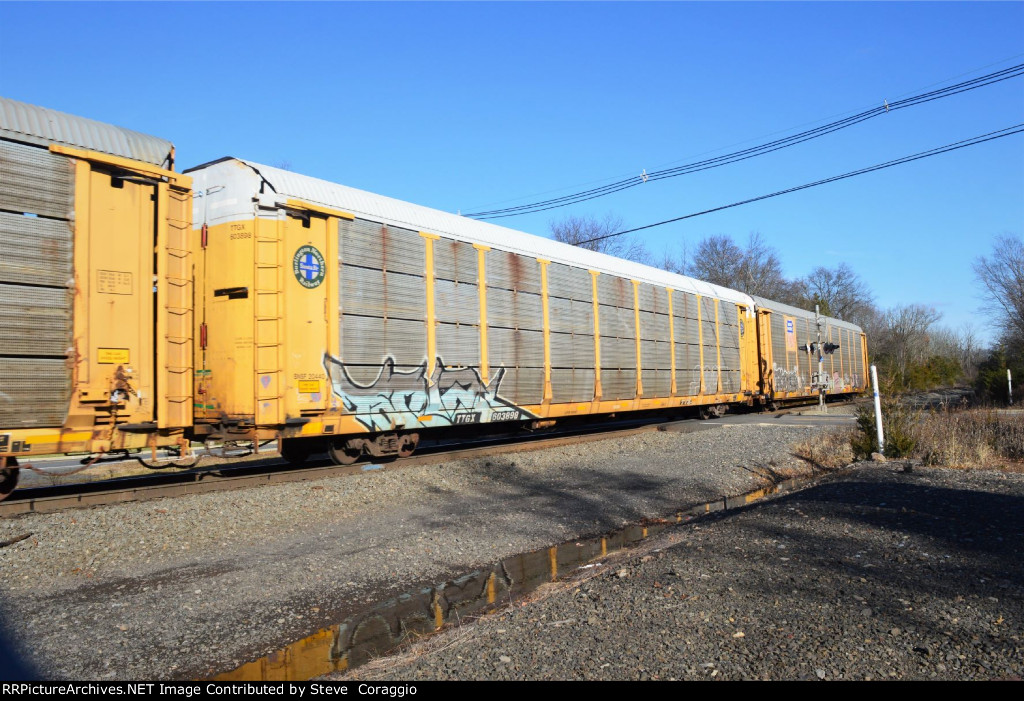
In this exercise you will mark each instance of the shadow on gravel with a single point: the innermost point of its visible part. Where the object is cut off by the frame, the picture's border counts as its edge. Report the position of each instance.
(884, 559)
(964, 520)
(608, 500)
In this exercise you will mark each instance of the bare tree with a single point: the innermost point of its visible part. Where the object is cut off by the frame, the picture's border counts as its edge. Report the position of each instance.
(904, 336)
(755, 269)
(678, 264)
(761, 269)
(579, 231)
(839, 292)
(718, 260)
(1001, 277)
(961, 346)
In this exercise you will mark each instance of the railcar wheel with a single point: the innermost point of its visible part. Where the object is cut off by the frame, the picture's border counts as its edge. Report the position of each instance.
(295, 450)
(345, 452)
(407, 444)
(706, 412)
(174, 460)
(8, 480)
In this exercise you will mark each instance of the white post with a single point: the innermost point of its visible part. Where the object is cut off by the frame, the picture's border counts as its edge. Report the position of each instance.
(817, 348)
(878, 411)
(1009, 385)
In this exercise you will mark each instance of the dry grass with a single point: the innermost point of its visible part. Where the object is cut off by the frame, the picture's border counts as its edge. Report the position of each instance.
(829, 449)
(971, 438)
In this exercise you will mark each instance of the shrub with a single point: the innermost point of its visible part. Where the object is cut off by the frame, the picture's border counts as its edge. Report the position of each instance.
(899, 420)
(831, 449)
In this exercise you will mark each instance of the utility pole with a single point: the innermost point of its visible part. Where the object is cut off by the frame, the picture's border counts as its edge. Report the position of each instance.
(822, 386)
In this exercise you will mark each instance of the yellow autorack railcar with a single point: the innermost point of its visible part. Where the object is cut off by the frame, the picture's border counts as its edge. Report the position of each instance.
(95, 288)
(342, 320)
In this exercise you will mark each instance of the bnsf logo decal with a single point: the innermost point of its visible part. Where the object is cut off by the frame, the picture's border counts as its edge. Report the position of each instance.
(473, 418)
(512, 415)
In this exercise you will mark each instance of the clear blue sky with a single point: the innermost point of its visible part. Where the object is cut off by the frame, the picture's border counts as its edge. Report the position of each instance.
(460, 105)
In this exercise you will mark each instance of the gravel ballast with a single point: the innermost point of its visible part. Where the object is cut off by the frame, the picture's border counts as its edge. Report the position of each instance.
(195, 585)
(875, 574)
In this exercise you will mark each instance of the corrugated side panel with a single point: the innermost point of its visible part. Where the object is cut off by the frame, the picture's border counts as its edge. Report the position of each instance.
(617, 353)
(707, 311)
(459, 344)
(35, 302)
(25, 122)
(512, 272)
(572, 385)
(654, 327)
(615, 291)
(510, 309)
(617, 322)
(687, 367)
(655, 355)
(809, 361)
(382, 296)
(456, 302)
(569, 283)
(729, 333)
(455, 260)
(583, 317)
(778, 327)
(35, 251)
(858, 361)
(657, 383)
(618, 383)
(560, 314)
(35, 392)
(583, 350)
(528, 383)
(371, 292)
(653, 298)
(368, 340)
(561, 350)
(381, 247)
(515, 348)
(34, 321)
(36, 181)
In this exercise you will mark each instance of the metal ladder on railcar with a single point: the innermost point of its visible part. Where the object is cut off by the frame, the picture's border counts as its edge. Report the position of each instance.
(268, 323)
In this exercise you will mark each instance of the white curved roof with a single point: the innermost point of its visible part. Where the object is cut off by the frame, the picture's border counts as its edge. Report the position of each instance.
(21, 121)
(766, 303)
(239, 188)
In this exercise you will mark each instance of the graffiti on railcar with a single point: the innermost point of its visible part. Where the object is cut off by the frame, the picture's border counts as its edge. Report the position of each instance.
(451, 396)
(698, 372)
(787, 380)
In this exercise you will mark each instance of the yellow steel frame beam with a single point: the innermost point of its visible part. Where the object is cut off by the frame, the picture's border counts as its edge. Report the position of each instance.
(597, 336)
(125, 163)
(431, 311)
(672, 341)
(548, 394)
(636, 321)
(319, 209)
(481, 283)
(700, 340)
(718, 348)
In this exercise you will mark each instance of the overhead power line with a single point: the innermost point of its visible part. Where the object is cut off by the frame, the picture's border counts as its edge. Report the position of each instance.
(973, 141)
(742, 155)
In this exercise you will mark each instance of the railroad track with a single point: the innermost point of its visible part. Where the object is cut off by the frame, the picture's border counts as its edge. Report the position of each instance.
(251, 472)
(240, 474)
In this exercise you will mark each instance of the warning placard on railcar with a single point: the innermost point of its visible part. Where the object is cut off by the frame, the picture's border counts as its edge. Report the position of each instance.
(113, 282)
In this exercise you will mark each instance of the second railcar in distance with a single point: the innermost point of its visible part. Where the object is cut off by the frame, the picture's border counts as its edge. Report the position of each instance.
(338, 319)
(787, 337)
